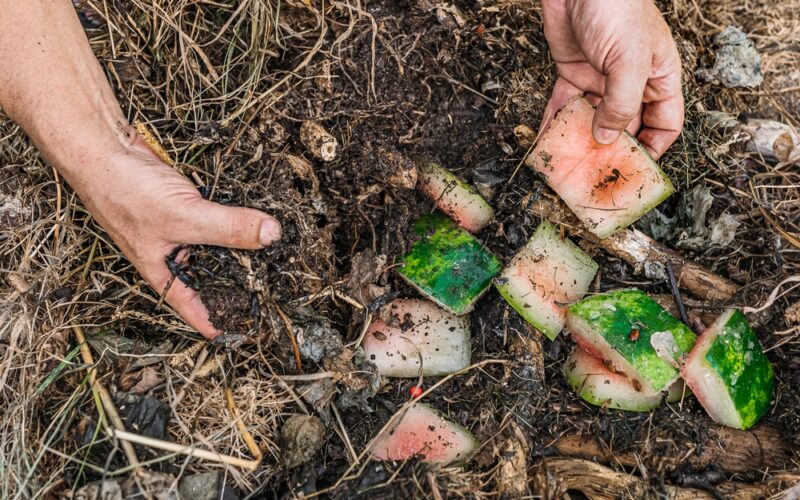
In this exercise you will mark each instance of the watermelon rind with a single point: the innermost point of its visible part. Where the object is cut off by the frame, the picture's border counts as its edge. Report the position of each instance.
(618, 326)
(410, 329)
(608, 187)
(424, 432)
(729, 373)
(447, 264)
(544, 277)
(599, 385)
(453, 196)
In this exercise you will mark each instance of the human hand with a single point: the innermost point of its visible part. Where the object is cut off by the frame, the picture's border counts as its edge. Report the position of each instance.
(621, 54)
(149, 209)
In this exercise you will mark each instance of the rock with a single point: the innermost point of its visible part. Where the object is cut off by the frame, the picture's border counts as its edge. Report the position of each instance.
(301, 436)
(737, 62)
(206, 486)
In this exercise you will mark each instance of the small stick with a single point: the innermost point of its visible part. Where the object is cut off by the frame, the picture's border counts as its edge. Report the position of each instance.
(676, 293)
(105, 397)
(190, 451)
(344, 436)
(288, 323)
(248, 438)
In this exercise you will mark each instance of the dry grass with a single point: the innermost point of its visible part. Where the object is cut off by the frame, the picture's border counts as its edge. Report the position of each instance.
(202, 72)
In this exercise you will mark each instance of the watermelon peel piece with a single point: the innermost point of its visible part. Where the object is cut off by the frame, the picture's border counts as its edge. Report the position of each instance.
(424, 432)
(608, 187)
(729, 373)
(600, 385)
(544, 277)
(447, 264)
(453, 196)
(410, 332)
(619, 327)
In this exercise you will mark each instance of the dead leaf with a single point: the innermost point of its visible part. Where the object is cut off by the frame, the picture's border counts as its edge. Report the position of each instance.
(301, 437)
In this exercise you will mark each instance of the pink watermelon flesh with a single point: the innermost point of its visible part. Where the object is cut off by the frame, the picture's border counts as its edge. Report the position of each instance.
(410, 328)
(600, 385)
(607, 186)
(544, 277)
(454, 197)
(424, 432)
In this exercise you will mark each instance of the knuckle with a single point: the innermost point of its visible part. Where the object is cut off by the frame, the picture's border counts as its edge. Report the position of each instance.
(619, 113)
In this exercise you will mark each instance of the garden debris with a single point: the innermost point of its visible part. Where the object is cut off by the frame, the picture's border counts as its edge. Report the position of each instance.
(301, 438)
(141, 381)
(206, 486)
(512, 471)
(359, 379)
(154, 355)
(792, 314)
(144, 415)
(392, 165)
(737, 63)
(101, 490)
(774, 141)
(317, 339)
(319, 395)
(12, 212)
(318, 141)
(366, 268)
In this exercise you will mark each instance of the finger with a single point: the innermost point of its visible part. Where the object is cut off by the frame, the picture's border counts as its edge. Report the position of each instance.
(563, 91)
(621, 102)
(663, 121)
(636, 124)
(233, 227)
(181, 298)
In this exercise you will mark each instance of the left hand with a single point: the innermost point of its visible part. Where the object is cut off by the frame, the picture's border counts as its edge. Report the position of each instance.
(622, 56)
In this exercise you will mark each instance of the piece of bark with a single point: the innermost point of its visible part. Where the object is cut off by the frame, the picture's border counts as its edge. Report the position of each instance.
(556, 476)
(730, 450)
(646, 255)
(318, 141)
(512, 470)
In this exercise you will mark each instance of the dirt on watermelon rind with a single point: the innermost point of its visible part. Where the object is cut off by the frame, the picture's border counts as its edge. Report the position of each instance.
(453, 196)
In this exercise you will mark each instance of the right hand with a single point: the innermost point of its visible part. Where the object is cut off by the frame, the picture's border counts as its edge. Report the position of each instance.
(149, 209)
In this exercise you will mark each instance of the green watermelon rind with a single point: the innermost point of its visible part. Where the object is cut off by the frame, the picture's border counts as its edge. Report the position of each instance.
(604, 323)
(448, 265)
(544, 234)
(729, 373)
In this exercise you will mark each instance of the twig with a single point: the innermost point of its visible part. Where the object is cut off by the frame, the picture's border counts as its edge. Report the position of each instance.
(676, 293)
(104, 396)
(290, 333)
(345, 437)
(774, 295)
(248, 438)
(191, 451)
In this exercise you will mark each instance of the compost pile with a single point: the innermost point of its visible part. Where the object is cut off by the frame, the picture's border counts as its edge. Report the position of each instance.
(239, 96)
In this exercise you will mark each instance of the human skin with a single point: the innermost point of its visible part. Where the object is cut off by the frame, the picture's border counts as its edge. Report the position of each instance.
(621, 55)
(52, 85)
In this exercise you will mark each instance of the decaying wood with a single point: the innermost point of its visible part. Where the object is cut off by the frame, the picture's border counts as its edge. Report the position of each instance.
(730, 450)
(318, 141)
(556, 476)
(646, 255)
(512, 469)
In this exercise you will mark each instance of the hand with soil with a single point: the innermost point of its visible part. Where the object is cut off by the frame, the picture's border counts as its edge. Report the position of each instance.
(52, 85)
(621, 54)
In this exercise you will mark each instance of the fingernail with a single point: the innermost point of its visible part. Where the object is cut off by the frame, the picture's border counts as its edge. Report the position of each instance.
(270, 232)
(605, 135)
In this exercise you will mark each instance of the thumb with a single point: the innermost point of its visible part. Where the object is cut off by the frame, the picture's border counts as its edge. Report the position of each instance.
(233, 227)
(621, 101)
